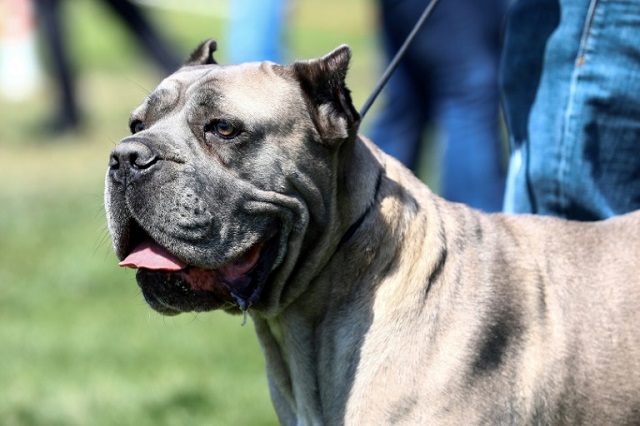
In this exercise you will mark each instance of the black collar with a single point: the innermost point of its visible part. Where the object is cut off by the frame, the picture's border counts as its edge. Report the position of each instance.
(356, 225)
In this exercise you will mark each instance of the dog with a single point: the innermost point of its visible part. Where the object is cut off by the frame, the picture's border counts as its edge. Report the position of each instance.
(247, 188)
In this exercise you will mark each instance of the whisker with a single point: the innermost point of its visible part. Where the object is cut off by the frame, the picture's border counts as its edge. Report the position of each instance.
(139, 86)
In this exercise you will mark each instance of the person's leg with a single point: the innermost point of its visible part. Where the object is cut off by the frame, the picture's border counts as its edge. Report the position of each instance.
(473, 172)
(528, 26)
(255, 30)
(466, 54)
(583, 160)
(451, 70)
(398, 127)
(149, 38)
(50, 19)
(599, 171)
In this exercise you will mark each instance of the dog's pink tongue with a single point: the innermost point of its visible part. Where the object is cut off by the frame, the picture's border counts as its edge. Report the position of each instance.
(151, 255)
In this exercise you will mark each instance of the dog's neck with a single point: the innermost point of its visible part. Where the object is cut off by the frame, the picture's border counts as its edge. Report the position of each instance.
(311, 345)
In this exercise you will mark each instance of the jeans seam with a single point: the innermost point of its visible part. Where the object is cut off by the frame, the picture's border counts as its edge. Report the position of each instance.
(564, 165)
(587, 31)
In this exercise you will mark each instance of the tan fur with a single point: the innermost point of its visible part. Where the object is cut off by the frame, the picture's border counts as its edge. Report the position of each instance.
(407, 307)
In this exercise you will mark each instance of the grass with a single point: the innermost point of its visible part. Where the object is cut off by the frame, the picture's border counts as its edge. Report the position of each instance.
(78, 346)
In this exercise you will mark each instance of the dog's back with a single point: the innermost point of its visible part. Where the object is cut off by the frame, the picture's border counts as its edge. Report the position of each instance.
(554, 339)
(585, 337)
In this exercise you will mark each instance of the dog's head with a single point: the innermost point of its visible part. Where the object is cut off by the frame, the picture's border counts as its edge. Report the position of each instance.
(227, 177)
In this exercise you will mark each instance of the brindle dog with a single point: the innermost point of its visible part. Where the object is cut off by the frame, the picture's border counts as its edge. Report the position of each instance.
(247, 188)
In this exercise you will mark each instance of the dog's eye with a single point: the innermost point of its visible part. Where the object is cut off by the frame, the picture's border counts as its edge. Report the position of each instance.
(223, 129)
(136, 126)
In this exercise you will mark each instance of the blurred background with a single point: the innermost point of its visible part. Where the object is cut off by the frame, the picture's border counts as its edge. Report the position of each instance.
(78, 345)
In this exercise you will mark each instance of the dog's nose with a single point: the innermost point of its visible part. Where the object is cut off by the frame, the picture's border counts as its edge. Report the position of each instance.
(129, 160)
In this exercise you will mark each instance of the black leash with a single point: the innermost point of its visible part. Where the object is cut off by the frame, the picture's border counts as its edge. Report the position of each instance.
(396, 59)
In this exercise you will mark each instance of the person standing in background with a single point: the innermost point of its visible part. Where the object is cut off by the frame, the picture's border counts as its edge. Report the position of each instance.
(51, 20)
(571, 86)
(449, 77)
(256, 30)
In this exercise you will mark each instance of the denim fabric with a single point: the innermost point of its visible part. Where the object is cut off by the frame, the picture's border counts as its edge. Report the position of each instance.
(449, 78)
(255, 30)
(571, 89)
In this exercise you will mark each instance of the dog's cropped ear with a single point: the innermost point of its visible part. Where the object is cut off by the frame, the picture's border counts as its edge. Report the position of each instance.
(323, 81)
(203, 55)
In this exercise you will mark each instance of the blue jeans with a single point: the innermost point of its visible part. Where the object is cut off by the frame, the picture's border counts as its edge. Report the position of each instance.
(255, 30)
(571, 90)
(449, 77)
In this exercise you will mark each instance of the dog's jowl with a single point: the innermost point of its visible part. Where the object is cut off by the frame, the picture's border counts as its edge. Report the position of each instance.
(247, 188)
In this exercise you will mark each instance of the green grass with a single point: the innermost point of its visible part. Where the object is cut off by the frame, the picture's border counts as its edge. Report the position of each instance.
(78, 345)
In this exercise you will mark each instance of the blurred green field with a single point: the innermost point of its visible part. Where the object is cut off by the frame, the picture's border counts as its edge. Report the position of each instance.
(78, 345)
